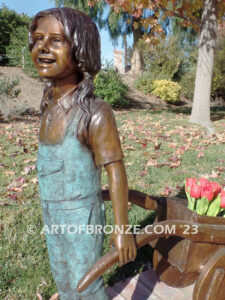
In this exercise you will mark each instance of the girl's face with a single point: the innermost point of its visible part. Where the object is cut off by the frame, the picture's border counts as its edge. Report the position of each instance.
(51, 52)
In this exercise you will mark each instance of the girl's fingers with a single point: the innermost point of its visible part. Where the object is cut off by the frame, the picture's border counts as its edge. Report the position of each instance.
(126, 255)
(121, 258)
(132, 254)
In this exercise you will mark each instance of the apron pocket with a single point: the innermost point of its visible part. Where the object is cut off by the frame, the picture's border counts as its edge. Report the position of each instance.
(51, 179)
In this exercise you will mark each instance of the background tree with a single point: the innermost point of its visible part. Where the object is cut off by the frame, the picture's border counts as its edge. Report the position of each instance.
(12, 24)
(203, 16)
(95, 11)
(207, 42)
(118, 23)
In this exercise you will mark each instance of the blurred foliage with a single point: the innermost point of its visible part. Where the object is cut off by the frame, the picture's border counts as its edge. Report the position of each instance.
(167, 90)
(175, 58)
(14, 41)
(10, 22)
(187, 83)
(9, 89)
(218, 81)
(109, 86)
(165, 59)
(145, 82)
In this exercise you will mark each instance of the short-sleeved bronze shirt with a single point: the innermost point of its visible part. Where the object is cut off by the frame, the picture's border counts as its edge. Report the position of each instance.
(103, 138)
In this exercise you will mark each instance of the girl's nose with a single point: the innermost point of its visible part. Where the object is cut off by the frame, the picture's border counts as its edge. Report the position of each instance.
(44, 47)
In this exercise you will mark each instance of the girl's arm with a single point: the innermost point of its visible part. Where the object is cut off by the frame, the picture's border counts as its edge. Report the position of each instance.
(118, 189)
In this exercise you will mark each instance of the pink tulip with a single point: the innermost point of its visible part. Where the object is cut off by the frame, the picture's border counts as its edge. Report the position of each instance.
(207, 192)
(190, 182)
(222, 203)
(195, 190)
(216, 188)
(203, 181)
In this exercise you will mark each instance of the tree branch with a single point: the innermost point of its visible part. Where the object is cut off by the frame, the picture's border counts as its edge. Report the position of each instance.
(176, 14)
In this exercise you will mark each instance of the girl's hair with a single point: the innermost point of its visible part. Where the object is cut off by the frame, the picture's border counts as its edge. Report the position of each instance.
(83, 36)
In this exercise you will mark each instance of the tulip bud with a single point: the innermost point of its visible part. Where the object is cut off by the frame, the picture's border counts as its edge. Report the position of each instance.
(190, 182)
(222, 203)
(207, 192)
(195, 190)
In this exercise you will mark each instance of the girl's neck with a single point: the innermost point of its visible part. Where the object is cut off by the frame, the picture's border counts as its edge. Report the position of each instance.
(63, 86)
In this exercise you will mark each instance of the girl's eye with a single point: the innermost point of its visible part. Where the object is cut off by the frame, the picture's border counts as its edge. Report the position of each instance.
(56, 40)
(38, 38)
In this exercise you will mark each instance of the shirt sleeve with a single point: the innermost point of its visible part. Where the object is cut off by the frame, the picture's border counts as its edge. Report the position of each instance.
(103, 136)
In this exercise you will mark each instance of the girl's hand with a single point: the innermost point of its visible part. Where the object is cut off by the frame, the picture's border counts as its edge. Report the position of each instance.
(118, 190)
(126, 247)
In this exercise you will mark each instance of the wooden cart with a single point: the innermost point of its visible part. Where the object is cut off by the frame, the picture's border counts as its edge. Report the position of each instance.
(188, 247)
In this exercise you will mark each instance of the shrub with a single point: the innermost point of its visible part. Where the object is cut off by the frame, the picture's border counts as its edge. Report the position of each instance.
(145, 81)
(109, 86)
(8, 90)
(188, 83)
(165, 59)
(218, 80)
(167, 90)
(13, 34)
(9, 87)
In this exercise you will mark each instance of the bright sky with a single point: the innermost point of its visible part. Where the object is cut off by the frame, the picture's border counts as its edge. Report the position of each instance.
(31, 7)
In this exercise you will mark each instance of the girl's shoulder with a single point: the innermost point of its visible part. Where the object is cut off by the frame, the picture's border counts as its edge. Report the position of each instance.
(98, 105)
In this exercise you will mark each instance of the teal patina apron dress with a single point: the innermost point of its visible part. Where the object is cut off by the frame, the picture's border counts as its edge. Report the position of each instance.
(70, 191)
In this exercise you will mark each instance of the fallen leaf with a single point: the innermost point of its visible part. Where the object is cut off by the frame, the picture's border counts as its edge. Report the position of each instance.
(200, 155)
(9, 173)
(27, 161)
(144, 145)
(181, 150)
(34, 180)
(163, 137)
(166, 192)
(215, 174)
(28, 169)
(152, 163)
(21, 180)
(128, 147)
(174, 158)
(16, 189)
(143, 172)
(175, 164)
(14, 197)
(220, 160)
(157, 146)
(172, 145)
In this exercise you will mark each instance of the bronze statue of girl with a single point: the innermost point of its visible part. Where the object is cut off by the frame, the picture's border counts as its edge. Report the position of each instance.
(78, 135)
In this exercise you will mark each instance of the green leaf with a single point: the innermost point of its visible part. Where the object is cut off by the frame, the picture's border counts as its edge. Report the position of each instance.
(202, 206)
(214, 207)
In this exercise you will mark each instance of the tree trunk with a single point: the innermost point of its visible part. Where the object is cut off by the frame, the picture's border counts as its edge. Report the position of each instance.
(125, 51)
(201, 104)
(136, 59)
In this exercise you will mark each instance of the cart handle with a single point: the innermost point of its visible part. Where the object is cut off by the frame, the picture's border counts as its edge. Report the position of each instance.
(138, 198)
(202, 233)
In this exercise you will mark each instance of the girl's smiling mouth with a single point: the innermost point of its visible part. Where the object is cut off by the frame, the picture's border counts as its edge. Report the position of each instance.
(43, 60)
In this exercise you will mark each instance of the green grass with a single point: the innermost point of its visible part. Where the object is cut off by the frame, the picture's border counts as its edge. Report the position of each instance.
(161, 150)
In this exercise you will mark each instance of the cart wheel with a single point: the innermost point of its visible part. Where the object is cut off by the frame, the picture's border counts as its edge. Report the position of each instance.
(211, 282)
